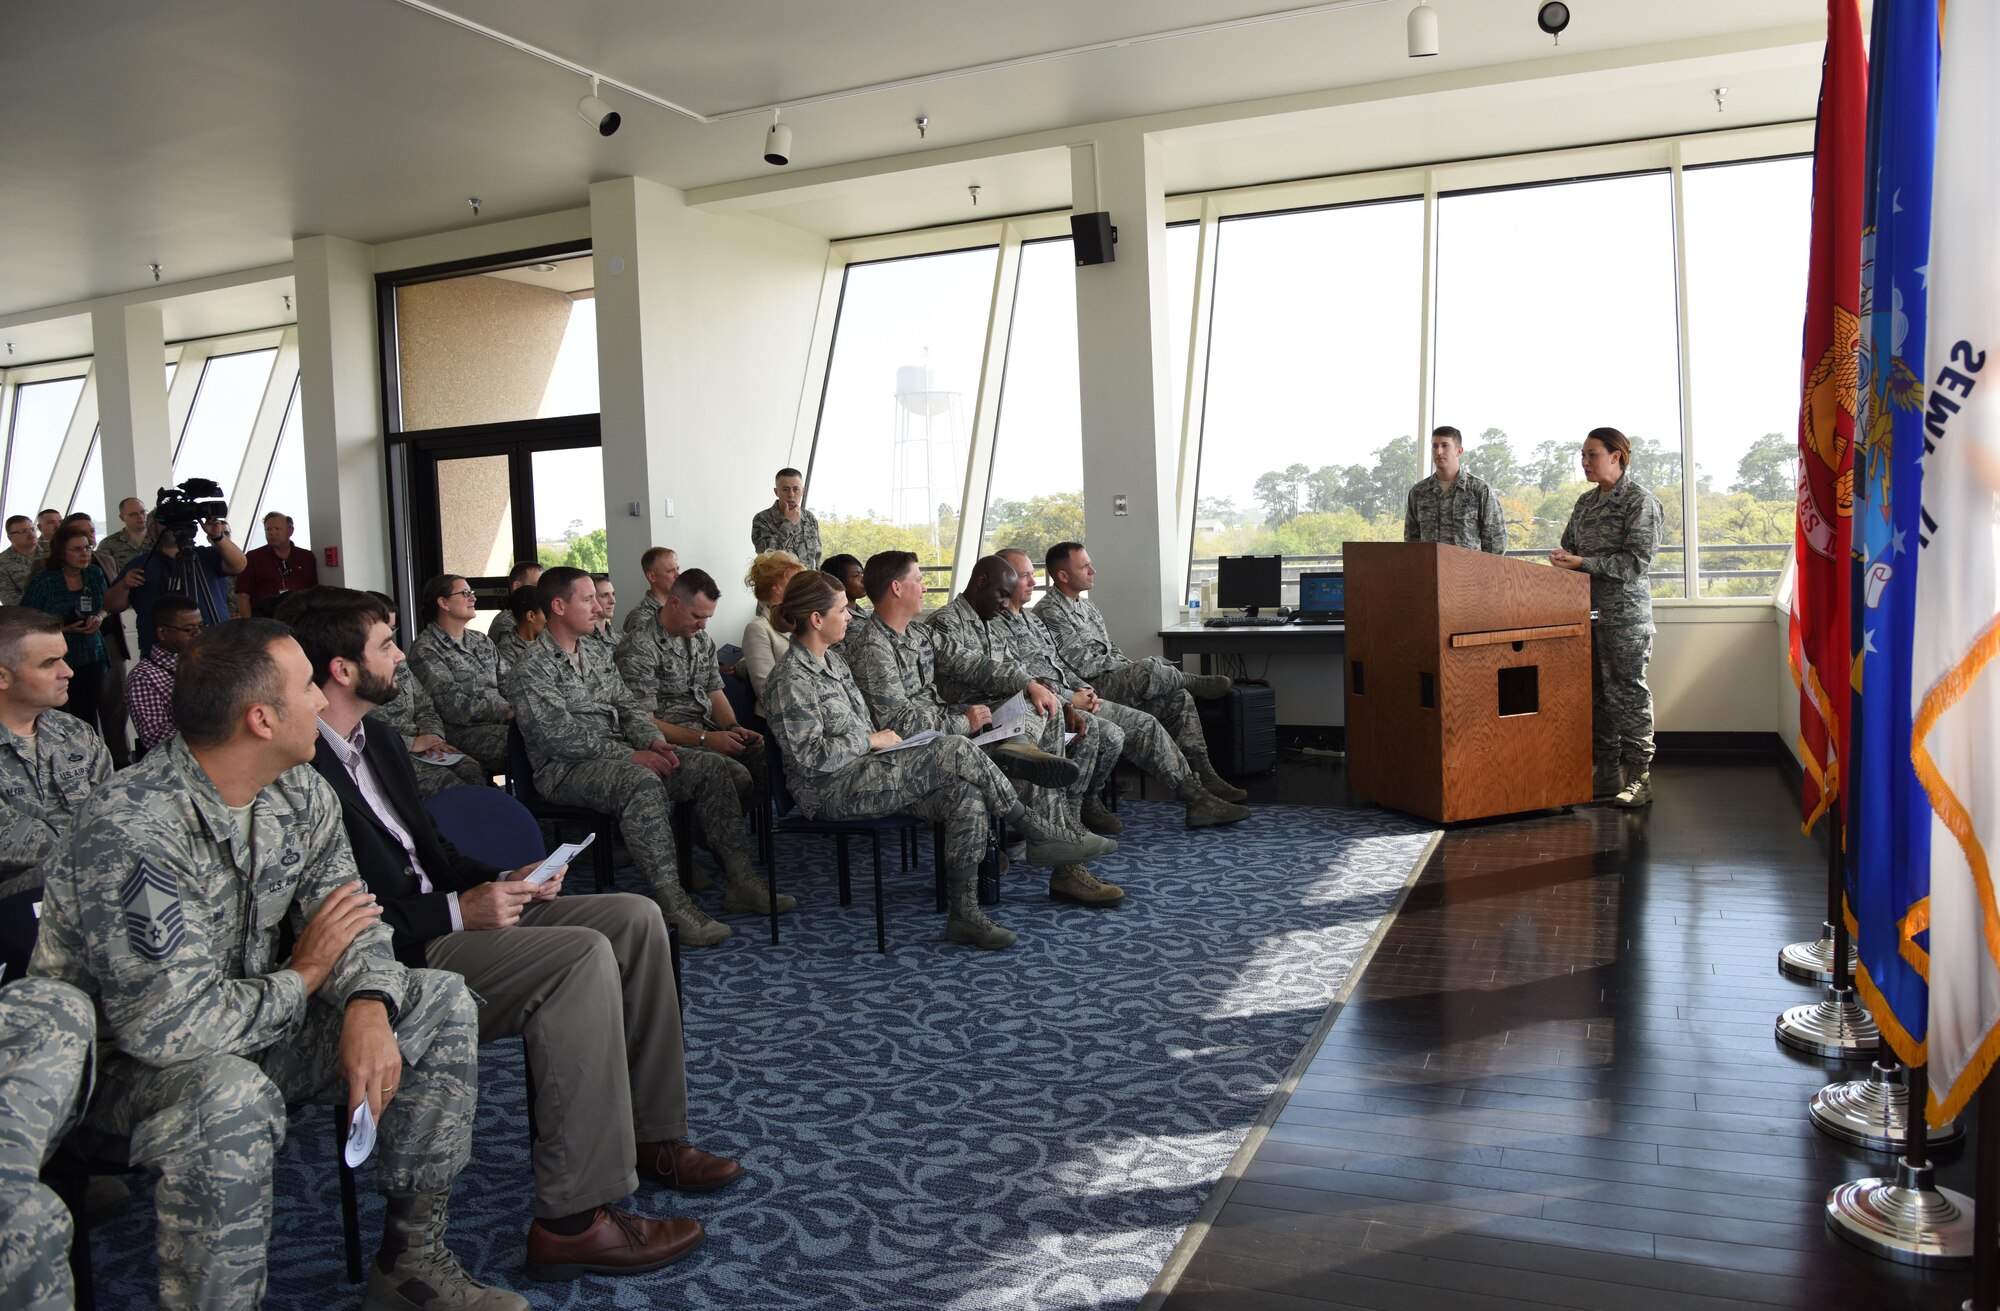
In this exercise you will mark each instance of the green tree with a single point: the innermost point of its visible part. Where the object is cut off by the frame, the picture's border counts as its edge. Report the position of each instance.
(1768, 471)
(1036, 524)
(1278, 492)
(1554, 464)
(1493, 459)
(589, 552)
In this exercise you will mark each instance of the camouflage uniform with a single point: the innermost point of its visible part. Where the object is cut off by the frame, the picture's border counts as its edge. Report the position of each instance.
(15, 571)
(462, 676)
(676, 676)
(1467, 514)
(648, 608)
(170, 920)
(117, 553)
(47, 1034)
(1617, 531)
(962, 639)
(1031, 645)
(771, 531)
(412, 714)
(42, 785)
(582, 726)
(507, 649)
(898, 674)
(1156, 686)
(821, 722)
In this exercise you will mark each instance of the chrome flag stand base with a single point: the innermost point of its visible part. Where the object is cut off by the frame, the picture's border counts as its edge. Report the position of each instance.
(1907, 1219)
(1873, 1112)
(1835, 1026)
(1814, 960)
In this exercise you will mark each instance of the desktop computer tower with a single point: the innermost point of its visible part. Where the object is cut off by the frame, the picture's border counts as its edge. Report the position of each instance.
(1242, 729)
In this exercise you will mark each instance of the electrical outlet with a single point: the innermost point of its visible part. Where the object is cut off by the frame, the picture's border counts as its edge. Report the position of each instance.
(1119, 505)
(670, 507)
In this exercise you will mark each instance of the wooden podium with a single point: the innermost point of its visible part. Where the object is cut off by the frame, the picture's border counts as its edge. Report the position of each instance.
(1468, 681)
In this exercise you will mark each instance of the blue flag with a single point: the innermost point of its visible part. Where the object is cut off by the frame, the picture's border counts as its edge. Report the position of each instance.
(1888, 815)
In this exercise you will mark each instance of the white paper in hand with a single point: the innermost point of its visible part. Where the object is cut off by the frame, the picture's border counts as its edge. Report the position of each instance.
(360, 1135)
(913, 740)
(558, 858)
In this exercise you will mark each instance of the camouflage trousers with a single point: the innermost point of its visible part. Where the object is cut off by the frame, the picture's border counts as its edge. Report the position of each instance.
(718, 787)
(1621, 706)
(208, 1129)
(1148, 745)
(433, 779)
(948, 782)
(47, 1031)
(1160, 689)
(485, 743)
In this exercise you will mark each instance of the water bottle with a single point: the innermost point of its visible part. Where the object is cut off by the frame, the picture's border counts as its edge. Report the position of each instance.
(1194, 609)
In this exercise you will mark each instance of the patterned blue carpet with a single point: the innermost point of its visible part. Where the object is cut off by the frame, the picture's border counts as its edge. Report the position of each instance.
(939, 1127)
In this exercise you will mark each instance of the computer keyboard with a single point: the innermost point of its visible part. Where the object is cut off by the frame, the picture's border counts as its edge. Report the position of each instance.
(1245, 621)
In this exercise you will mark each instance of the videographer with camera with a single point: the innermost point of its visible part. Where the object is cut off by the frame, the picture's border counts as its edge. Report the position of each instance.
(176, 566)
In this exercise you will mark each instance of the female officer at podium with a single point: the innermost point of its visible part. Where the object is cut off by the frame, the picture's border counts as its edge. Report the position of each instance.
(1612, 535)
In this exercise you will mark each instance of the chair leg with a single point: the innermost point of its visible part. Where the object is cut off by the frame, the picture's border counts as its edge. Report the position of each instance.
(937, 865)
(684, 843)
(771, 876)
(881, 927)
(350, 1210)
(674, 959)
(840, 855)
(602, 860)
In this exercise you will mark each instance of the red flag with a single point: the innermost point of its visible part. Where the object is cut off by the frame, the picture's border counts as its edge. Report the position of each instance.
(1831, 369)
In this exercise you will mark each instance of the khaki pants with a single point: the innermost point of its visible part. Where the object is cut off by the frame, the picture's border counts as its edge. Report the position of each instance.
(588, 983)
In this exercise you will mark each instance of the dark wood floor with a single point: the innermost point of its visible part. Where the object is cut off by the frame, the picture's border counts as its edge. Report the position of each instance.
(1556, 1084)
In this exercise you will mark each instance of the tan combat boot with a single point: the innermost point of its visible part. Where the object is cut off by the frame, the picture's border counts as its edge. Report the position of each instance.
(415, 1271)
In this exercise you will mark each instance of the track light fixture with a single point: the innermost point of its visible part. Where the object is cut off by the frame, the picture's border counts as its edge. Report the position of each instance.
(778, 142)
(596, 113)
(1423, 31)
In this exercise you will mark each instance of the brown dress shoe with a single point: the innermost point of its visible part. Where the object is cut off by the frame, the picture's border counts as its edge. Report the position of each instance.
(617, 1243)
(682, 1166)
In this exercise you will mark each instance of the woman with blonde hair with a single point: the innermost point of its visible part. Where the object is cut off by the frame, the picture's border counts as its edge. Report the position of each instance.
(765, 640)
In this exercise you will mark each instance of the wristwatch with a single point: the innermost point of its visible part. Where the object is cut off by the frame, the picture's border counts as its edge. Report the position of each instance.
(702, 741)
(374, 994)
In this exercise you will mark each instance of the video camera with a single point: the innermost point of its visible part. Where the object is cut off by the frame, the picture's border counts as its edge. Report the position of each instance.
(181, 507)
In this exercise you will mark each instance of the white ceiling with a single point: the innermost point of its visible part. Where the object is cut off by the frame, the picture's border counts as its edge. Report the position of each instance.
(207, 134)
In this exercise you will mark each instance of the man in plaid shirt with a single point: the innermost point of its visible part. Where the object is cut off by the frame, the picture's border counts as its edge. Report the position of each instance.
(149, 691)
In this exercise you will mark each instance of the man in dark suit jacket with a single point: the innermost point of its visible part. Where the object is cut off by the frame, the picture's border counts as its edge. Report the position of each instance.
(587, 981)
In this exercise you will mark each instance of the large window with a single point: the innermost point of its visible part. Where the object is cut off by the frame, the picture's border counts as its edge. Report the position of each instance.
(1748, 227)
(1555, 315)
(889, 459)
(41, 417)
(283, 490)
(225, 411)
(1035, 498)
(1308, 428)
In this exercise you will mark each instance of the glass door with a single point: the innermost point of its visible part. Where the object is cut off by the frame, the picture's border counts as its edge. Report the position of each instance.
(479, 505)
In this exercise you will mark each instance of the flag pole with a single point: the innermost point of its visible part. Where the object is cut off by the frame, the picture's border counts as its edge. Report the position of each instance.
(1874, 1112)
(1812, 959)
(1906, 1218)
(1837, 1025)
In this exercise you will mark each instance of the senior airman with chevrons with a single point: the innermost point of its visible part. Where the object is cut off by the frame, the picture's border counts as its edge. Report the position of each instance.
(166, 908)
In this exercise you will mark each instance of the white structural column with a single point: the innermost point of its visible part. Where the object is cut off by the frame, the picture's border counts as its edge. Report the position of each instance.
(703, 322)
(1124, 363)
(630, 273)
(341, 408)
(138, 450)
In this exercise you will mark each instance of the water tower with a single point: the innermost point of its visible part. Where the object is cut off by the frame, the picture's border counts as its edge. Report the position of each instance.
(927, 462)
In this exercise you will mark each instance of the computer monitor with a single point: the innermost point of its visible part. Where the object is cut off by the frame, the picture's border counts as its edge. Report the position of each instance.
(1323, 595)
(1249, 582)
